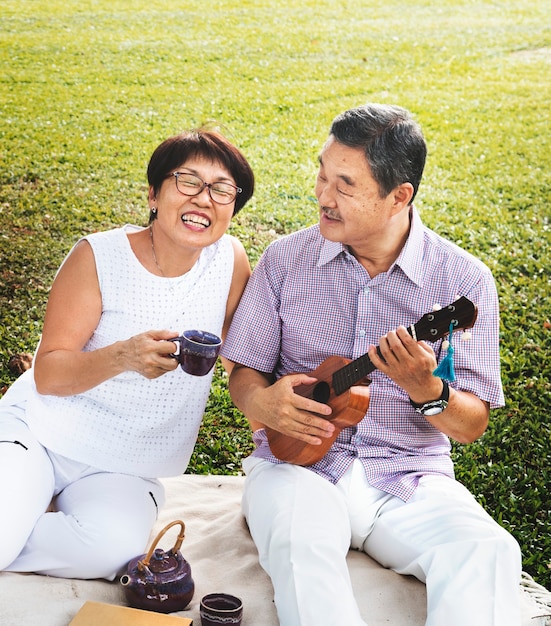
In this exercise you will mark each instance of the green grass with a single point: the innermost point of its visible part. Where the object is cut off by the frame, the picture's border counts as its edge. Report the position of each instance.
(90, 88)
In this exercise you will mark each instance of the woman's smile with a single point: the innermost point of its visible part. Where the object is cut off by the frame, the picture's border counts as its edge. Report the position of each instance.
(196, 221)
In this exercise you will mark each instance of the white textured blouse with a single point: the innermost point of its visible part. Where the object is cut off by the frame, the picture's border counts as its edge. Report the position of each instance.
(128, 423)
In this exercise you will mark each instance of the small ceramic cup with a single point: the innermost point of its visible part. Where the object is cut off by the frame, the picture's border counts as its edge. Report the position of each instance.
(197, 351)
(221, 608)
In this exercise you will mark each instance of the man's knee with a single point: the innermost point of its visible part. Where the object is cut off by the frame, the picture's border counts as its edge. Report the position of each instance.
(507, 546)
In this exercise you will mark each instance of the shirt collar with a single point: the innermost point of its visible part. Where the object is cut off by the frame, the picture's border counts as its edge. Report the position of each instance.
(330, 250)
(409, 260)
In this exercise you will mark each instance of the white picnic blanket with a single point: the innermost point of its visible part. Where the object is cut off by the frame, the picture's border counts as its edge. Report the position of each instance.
(223, 558)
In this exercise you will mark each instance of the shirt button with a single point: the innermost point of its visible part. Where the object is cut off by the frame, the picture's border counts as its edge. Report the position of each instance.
(361, 333)
(367, 290)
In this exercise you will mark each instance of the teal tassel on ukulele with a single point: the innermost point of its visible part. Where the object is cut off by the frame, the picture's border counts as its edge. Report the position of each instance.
(445, 369)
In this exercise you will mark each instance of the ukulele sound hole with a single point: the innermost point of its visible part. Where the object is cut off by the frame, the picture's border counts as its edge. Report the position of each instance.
(322, 391)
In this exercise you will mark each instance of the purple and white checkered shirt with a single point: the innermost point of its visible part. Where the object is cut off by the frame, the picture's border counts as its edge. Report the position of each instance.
(309, 298)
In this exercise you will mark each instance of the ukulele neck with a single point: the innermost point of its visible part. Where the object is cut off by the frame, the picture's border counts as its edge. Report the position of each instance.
(359, 368)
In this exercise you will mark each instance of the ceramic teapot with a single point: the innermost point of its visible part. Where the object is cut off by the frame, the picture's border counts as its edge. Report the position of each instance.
(159, 581)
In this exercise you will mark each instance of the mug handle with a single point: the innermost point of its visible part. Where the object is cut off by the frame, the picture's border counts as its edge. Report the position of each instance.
(177, 341)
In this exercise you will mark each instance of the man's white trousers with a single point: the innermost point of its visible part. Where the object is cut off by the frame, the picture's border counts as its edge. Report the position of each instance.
(303, 527)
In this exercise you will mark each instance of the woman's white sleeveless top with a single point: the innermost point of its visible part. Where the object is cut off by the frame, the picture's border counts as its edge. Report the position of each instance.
(130, 424)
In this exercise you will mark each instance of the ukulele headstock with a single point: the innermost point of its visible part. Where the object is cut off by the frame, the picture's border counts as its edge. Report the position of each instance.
(435, 325)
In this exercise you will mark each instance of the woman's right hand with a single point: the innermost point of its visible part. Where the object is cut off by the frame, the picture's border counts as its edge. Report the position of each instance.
(149, 353)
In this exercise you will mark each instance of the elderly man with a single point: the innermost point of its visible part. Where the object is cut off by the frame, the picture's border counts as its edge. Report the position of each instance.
(382, 482)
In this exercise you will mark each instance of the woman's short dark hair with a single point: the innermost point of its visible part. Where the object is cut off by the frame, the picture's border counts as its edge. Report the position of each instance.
(206, 144)
(392, 142)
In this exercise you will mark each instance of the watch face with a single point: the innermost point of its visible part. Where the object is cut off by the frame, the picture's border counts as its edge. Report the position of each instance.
(433, 408)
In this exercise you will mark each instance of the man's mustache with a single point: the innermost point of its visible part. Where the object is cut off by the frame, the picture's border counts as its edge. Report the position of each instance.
(331, 213)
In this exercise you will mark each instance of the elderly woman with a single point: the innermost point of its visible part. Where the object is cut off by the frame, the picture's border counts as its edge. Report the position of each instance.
(104, 411)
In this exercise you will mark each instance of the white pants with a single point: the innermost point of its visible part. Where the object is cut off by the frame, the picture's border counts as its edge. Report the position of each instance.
(303, 527)
(101, 520)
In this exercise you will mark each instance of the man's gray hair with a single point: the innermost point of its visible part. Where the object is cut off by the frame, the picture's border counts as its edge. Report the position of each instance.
(392, 142)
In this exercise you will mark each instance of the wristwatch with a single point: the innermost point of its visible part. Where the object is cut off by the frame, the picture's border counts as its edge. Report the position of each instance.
(434, 407)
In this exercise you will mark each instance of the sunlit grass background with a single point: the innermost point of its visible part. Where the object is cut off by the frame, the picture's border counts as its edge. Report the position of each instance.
(90, 88)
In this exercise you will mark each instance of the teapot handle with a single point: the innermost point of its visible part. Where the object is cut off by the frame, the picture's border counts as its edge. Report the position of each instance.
(143, 564)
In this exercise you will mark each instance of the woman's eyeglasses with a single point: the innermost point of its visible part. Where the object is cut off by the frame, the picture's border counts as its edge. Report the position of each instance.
(192, 185)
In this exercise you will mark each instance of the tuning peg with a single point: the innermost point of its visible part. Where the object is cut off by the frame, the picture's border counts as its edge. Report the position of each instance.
(436, 307)
(466, 335)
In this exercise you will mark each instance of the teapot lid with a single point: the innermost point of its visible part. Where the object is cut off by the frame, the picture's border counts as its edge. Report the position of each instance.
(162, 561)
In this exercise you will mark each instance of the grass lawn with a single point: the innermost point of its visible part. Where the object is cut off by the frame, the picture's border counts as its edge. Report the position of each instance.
(90, 88)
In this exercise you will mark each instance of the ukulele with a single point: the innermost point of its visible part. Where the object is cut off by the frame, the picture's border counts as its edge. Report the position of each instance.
(337, 379)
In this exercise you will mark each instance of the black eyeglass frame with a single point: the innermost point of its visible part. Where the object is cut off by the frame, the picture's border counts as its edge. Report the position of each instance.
(205, 184)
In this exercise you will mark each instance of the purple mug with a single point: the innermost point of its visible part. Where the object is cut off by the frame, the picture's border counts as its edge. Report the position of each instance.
(197, 351)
